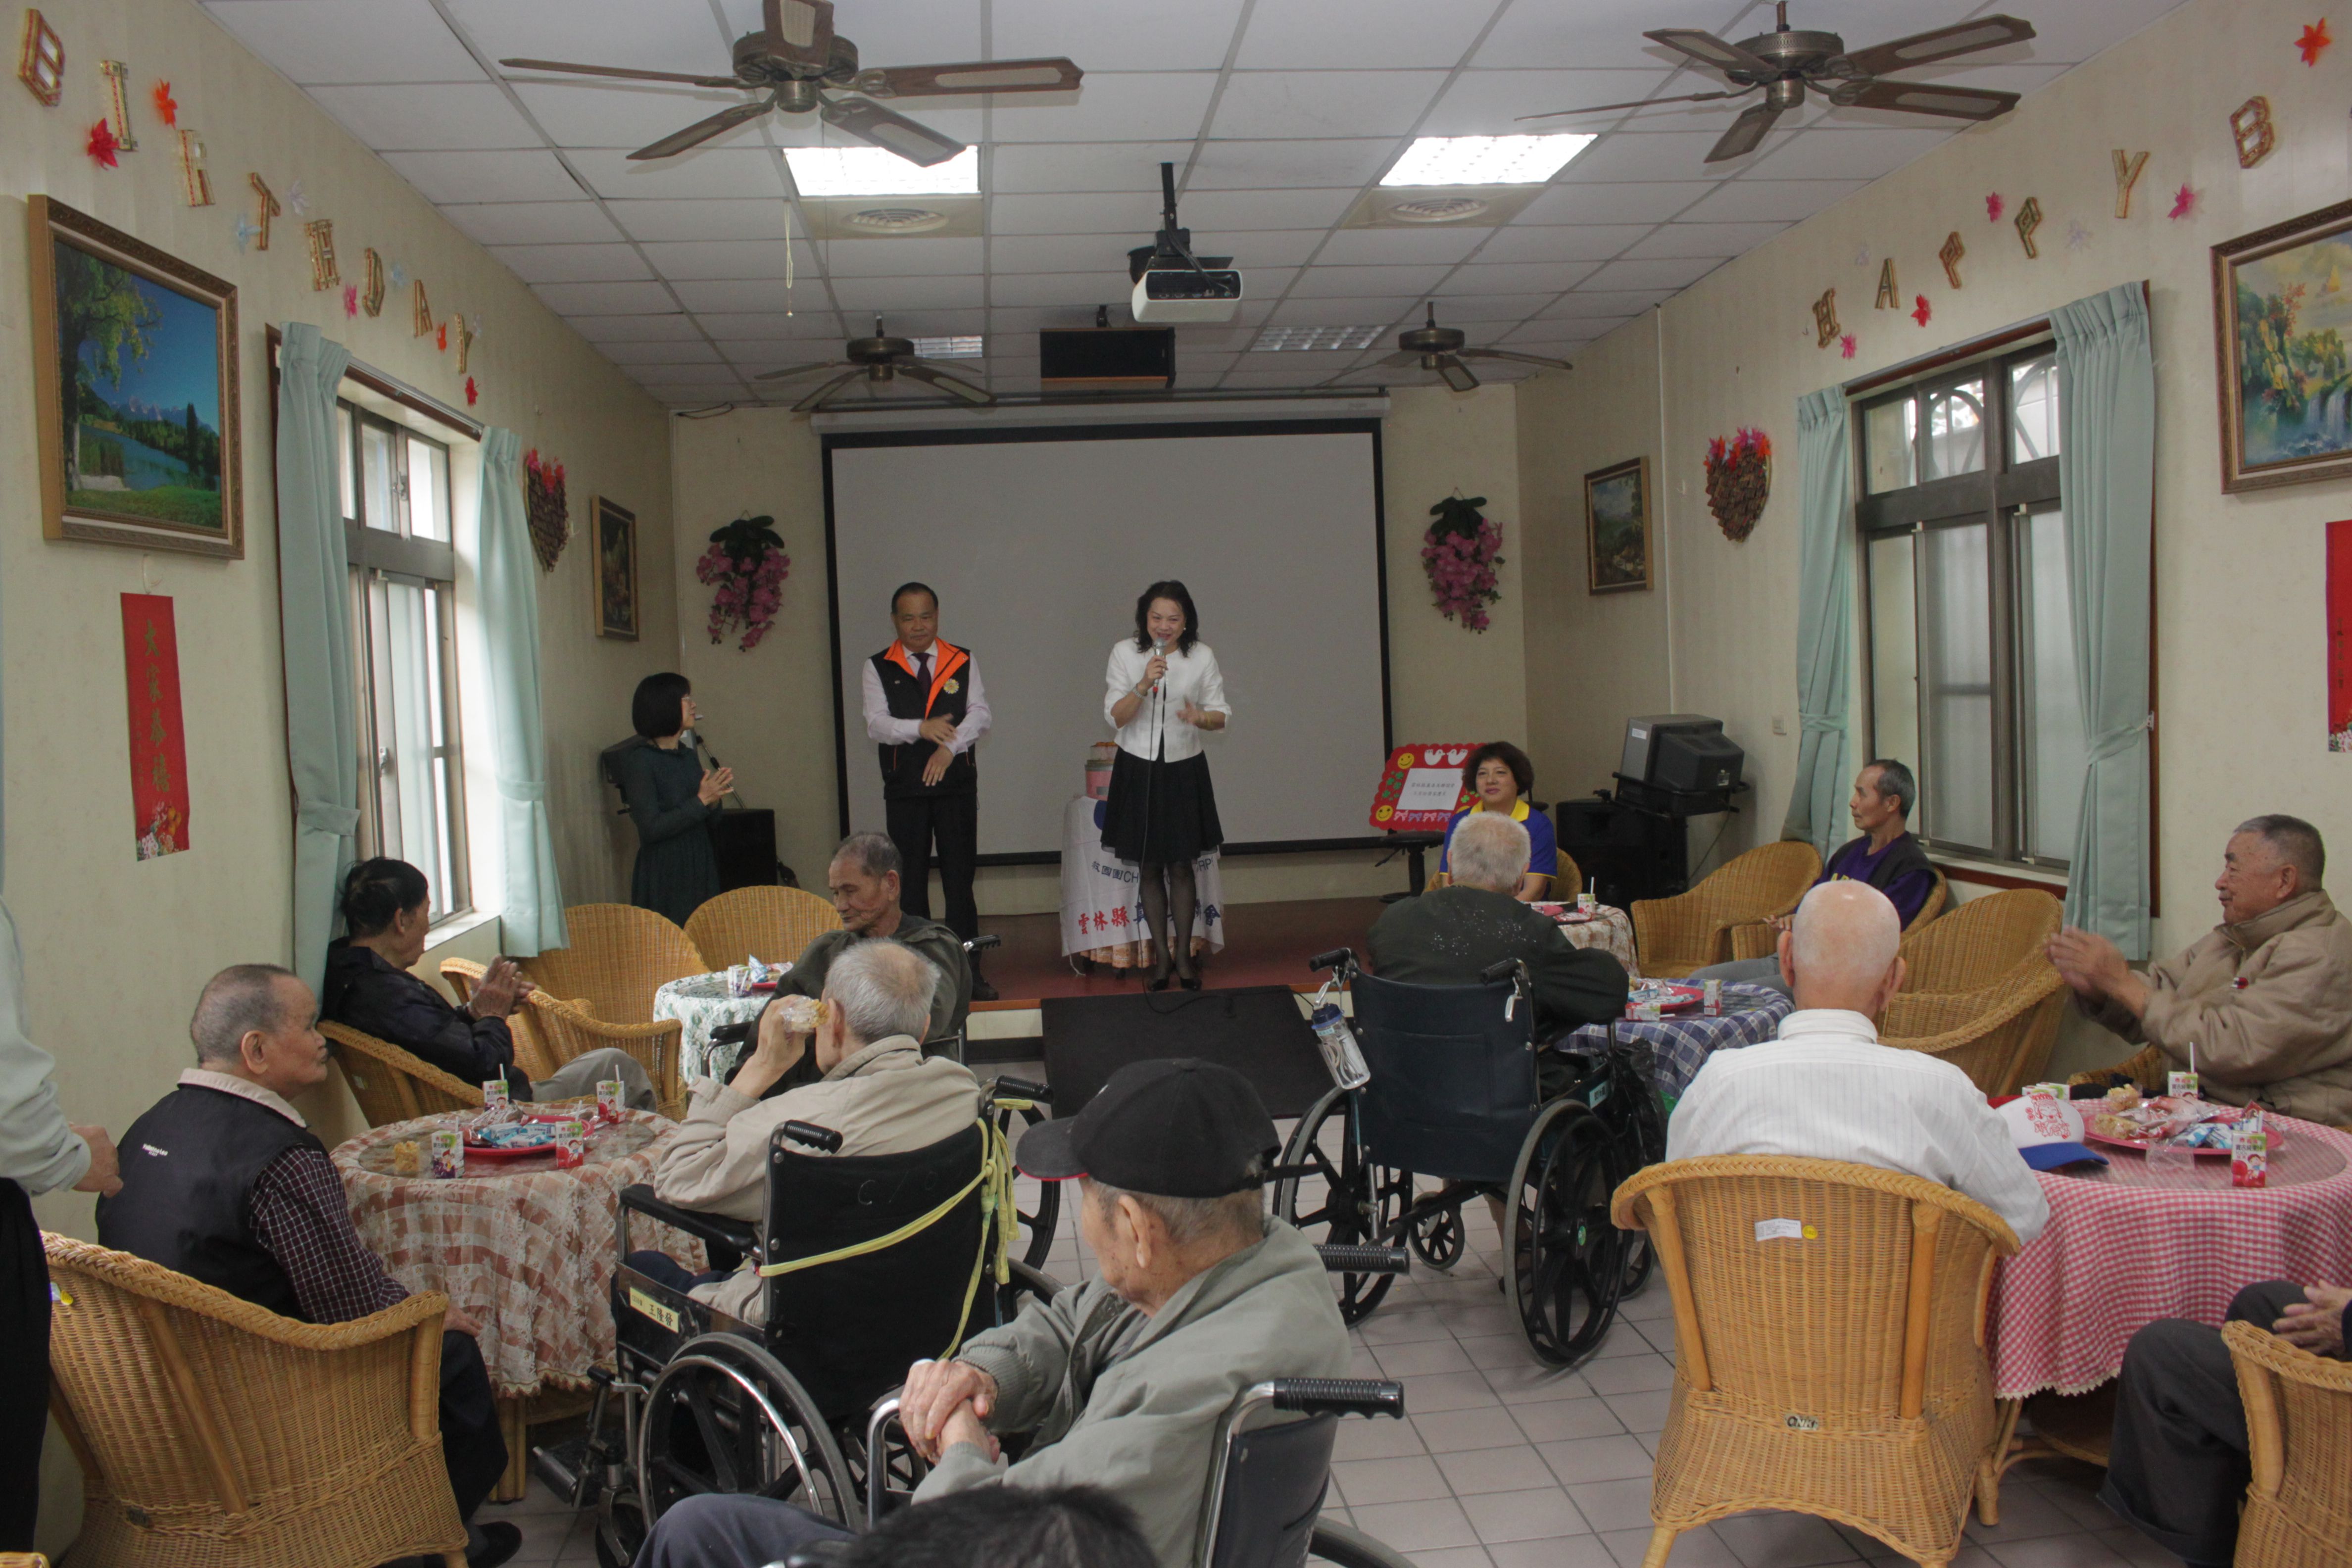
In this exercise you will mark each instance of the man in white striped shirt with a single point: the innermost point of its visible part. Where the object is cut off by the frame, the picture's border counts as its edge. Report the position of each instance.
(1826, 1090)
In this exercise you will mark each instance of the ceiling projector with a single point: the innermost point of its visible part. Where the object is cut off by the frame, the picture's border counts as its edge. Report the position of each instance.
(1173, 285)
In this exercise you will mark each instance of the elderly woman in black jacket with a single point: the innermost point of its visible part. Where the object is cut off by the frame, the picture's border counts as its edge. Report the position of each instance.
(368, 988)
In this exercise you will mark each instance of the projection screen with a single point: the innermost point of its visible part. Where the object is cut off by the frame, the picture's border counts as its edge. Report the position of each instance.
(1038, 541)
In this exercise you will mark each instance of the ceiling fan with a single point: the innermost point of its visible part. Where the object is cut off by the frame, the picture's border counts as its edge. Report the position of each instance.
(796, 58)
(1434, 348)
(880, 359)
(1783, 63)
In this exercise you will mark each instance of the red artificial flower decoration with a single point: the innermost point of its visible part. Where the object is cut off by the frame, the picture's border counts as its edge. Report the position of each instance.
(350, 298)
(1922, 310)
(441, 337)
(1846, 346)
(1993, 205)
(472, 392)
(102, 144)
(167, 108)
(2184, 202)
(2313, 41)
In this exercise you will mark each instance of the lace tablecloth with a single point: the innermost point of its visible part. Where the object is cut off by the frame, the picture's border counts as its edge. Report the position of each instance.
(522, 1248)
(2127, 1245)
(1609, 930)
(700, 1004)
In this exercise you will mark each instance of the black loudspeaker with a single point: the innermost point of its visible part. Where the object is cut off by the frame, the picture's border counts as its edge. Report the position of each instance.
(1106, 359)
(745, 844)
(1628, 853)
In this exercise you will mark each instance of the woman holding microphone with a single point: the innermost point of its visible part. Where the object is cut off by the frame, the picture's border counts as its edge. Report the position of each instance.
(1164, 688)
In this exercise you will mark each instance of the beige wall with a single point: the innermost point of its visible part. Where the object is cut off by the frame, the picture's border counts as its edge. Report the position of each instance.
(2238, 579)
(116, 950)
(771, 709)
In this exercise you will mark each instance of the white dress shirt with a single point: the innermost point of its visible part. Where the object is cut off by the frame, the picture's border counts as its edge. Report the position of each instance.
(1158, 728)
(1826, 1090)
(884, 730)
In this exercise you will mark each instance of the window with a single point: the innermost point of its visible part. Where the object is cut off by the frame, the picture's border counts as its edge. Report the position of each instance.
(404, 566)
(1971, 660)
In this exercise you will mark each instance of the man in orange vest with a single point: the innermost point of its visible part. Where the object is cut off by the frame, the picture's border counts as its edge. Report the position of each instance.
(925, 710)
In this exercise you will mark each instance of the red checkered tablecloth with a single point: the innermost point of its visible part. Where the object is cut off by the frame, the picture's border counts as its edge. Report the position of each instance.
(2126, 1246)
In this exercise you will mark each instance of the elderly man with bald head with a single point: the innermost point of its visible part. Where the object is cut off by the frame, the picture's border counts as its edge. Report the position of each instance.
(1826, 1090)
(2266, 997)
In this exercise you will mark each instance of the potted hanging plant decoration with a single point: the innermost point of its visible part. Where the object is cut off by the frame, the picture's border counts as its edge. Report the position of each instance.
(746, 565)
(1460, 553)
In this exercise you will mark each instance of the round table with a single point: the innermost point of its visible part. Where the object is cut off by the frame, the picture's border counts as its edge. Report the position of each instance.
(1608, 929)
(1680, 1043)
(1102, 908)
(700, 1004)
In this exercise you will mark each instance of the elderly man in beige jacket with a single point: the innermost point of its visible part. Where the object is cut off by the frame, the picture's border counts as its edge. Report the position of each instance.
(879, 1092)
(2266, 997)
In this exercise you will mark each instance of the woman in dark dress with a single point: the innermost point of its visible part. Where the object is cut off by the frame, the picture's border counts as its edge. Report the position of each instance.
(672, 801)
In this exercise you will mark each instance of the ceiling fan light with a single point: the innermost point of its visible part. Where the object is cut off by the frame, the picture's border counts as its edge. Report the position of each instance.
(876, 171)
(1487, 160)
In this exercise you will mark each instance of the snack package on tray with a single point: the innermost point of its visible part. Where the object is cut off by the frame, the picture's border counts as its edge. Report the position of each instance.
(2187, 1123)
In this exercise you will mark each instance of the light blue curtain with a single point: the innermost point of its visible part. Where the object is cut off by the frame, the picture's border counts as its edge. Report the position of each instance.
(532, 919)
(314, 609)
(2106, 482)
(1824, 619)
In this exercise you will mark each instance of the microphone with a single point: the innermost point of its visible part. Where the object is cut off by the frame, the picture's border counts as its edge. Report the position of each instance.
(1159, 650)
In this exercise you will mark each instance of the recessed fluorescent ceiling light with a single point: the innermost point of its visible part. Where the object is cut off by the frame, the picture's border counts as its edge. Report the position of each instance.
(871, 172)
(948, 348)
(1485, 160)
(1274, 337)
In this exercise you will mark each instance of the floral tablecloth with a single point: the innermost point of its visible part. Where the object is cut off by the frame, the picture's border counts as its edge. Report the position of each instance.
(2127, 1245)
(1102, 909)
(522, 1248)
(700, 1004)
(1608, 929)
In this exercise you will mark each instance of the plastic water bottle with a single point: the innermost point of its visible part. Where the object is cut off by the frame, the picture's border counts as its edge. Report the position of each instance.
(1338, 1043)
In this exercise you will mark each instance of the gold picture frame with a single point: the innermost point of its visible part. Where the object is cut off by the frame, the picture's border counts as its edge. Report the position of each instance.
(146, 452)
(2281, 315)
(613, 534)
(1617, 528)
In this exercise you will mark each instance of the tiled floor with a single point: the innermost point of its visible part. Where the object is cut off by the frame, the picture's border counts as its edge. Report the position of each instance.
(1504, 1463)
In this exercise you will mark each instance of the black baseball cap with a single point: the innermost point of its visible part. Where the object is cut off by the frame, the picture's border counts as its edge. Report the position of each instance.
(1175, 1128)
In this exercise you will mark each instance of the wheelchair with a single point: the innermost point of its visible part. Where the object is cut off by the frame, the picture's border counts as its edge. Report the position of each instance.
(1453, 1094)
(872, 1263)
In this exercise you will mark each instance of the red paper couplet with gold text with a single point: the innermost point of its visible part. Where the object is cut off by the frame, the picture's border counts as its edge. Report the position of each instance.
(1421, 789)
(159, 751)
(2339, 636)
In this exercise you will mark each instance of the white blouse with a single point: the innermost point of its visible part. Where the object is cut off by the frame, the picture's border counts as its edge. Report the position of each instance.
(1159, 728)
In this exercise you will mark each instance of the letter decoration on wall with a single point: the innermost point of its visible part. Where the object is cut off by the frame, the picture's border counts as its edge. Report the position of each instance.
(2029, 218)
(267, 205)
(2339, 636)
(1950, 256)
(320, 232)
(2252, 128)
(424, 313)
(1890, 298)
(465, 336)
(118, 104)
(1825, 321)
(195, 185)
(159, 749)
(371, 301)
(41, 64)
(2127, 173)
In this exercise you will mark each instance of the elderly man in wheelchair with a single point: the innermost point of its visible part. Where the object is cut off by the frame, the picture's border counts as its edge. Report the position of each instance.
(1152, 1380)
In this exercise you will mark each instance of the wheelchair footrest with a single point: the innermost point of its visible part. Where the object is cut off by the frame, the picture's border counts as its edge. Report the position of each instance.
(570, 1471)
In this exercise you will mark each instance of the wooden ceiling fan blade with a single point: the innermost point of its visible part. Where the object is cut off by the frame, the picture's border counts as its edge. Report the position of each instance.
(828, 389)
(1053, 74)
(890, 130)
(702, 131)
(1517, 358)
(1640, 103)
(800, 31)
(1941, 43)
(1930, 98)
(1744, 134)
(1457, 375)
(623, 72)
(954, 385)
(792, 370)
(1710, 50)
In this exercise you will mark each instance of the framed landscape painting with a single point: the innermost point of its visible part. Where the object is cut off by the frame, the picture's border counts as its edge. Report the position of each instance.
(1617, 527)
(616, 569)
(2281, 315)
(135, 390)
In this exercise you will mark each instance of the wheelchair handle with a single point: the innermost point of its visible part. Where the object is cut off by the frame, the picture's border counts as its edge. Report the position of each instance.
(1364, 1259)
(978, 943)
(1503, 970)
(816, 1137)
(1333, 958)
(732, 1034)
(1022, 1088)
(1339, 1395)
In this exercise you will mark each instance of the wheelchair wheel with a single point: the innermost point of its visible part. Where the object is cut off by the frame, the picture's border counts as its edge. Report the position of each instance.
(1645, 1144)
(1564, 1263)
(1357, 1202)
(1039, 1224)
(1437, 1240)
(725, 1416)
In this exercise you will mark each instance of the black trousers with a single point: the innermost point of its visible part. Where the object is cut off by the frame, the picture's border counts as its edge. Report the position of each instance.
(24, 1366)
(724, 1530)
(471, 1444)
(2177, 1465)
(915, 821)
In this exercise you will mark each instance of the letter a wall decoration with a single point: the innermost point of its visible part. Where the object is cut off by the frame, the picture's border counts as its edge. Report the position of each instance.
(1890, 297)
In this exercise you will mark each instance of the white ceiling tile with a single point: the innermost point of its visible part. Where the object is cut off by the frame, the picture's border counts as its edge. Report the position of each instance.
(531, 223)
(571, 263)
(602, 330)
(902, 258)
(1647, 201)
(757, 296)
(1599, 303)
(1490, 102)
(1203, 362)
(724, 170)
(580, 112)
(1360, 282)
(1254, 249)
(1224, 210)
(1520, 277)
(1244, 165)
(907, 293)
(1311, 365)
(1396, 246)
(1679, 272)
(687, 374)
(604, 299)
(429, 115)
(1457, 306)
(1059, 253)
(1847, 154)
(1561, 242)
(1104, 37)
(742, 259)
(1103, 286)
(442, 177)
(1059, 169)
(1348, 313)
(1005, 323)
(892, 32)
(680, 397)
(1596, 33)
(348, 40)
(810, 324)
(1123, 212)
(1661, 155)
(1716, 239)
(1862, 23)
(1357, 35)
(1557, 337)
(683, 352)
(1123, 106)
(709, 218)
(949, 324)
(1322, 104)
(640, 35)
(2067, 33)
(1764, 201)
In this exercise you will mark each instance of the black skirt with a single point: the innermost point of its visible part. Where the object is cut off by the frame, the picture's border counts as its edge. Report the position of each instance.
(1160, 811)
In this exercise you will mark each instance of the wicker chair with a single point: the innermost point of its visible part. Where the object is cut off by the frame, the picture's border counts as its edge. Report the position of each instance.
(1840, 1372)
(1981, 942)
(391, 1085)
(1762, 938)
(2000, 1035)
(771, 924)
(1691, 930)
(2144, 1068)
(569, 1031)
(214, 1434)
(2299, 1426)
(532, 1053)
(620, 955)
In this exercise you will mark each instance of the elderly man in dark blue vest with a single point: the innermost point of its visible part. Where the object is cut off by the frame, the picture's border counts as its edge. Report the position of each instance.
(925, 711)
(224, 1182)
